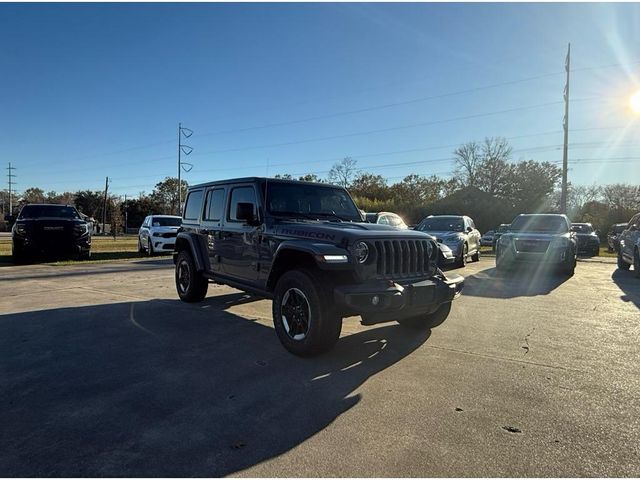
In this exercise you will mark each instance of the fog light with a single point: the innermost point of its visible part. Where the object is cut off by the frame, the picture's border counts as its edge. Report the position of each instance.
(375, 300)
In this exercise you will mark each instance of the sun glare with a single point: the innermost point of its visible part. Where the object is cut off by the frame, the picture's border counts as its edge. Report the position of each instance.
(634, 103)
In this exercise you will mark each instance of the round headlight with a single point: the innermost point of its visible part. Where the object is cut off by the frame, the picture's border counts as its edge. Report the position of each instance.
(361, 251)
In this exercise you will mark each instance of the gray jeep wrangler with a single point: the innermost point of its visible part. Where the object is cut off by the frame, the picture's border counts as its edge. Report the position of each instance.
(306, 247)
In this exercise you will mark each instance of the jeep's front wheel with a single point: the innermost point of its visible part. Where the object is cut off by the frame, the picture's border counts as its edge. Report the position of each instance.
(191, 286)
(303, 317)
(431, 320)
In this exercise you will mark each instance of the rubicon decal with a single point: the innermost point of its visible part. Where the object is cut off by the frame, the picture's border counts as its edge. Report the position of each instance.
(307, 234)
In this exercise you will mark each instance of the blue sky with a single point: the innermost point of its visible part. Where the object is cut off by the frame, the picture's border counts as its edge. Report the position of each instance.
(95, 90)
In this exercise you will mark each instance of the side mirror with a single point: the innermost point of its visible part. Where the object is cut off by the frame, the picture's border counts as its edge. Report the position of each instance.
(245, 212)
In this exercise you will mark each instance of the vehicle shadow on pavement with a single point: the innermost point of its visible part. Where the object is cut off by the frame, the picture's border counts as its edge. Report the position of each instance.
(526, 281)
(626, 281)
(164, 388)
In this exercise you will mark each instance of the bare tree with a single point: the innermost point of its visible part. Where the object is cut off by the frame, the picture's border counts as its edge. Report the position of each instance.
(343, 172)
(494, 167)
(467, 161)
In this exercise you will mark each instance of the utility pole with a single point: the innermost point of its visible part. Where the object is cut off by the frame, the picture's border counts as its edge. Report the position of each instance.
(126, 212)
(186, 149)
(565, 124)
(104, 206)
(11, 176)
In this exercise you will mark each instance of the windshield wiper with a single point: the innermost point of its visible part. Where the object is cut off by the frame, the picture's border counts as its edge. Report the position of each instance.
(331, 214)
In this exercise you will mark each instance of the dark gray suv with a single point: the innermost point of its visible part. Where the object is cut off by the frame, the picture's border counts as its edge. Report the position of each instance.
(457, 232)
(307, 247)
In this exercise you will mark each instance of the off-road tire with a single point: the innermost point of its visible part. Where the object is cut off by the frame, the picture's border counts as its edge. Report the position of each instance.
(323, 323)
(430, 320)
(622, 265)
(191, 286)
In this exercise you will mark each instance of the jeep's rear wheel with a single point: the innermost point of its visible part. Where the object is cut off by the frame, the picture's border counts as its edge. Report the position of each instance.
(430, 320)
(191, 286)
(303, 317)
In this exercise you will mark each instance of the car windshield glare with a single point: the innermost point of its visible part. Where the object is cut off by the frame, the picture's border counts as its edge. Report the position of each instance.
(52, 211)
(582, 228)
(539, 223)
(166, 222)
(442, 225)
(307, 201)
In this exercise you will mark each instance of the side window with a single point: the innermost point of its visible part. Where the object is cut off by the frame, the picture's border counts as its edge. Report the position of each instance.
(146, 222)
(241, 195)
(192, 207)
(383, 220)
(215, 205)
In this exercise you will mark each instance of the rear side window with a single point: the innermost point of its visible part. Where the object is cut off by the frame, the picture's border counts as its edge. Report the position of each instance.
(192, 208)
(215, 205)
(241, 195)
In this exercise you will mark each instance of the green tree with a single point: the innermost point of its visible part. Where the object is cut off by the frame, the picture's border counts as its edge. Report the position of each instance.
(368, 185)
(33, 195)
(89, 203)
(530, 185)
(165, 195)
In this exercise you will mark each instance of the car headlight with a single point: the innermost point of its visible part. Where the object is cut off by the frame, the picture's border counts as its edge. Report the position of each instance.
(361, 251)
(81, 229)
(20, 229)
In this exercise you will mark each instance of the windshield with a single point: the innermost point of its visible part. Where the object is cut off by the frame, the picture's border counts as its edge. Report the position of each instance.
(582, 228)
(310, 201)
(539, 223)
(442, 224)
(60, 211)
(166, 222)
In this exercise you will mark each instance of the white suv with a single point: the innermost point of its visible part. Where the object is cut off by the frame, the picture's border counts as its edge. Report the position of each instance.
(158, 234)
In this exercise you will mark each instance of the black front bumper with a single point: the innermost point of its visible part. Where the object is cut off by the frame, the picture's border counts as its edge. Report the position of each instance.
(386, 301)
(39, 246)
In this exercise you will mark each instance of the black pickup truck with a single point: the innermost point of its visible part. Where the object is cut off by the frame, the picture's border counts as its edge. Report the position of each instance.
(306, 246)
(51, 230)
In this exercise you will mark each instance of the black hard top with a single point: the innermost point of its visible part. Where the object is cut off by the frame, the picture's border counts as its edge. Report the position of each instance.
(257, 180)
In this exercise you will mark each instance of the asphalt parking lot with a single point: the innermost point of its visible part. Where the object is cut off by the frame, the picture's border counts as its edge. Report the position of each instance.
(103, 372)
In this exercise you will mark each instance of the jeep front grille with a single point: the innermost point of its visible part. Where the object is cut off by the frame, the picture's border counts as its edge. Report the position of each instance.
(405, 258)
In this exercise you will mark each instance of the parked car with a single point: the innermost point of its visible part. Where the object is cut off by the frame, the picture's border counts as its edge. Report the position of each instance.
(49, 229)
(487, 239)
(629, 250)
(304, 246)
(503, 228)
(457, 232)
(587, 239)
(158, 233)
(613, 236)
(538, 239)
(386, 218)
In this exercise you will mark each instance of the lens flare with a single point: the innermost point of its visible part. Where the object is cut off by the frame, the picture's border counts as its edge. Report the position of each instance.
(634, 103)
